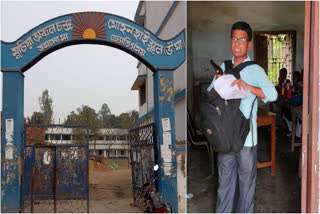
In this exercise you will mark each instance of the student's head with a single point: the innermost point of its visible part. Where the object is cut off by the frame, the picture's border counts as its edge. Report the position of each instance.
(296, 76)
(283, 73)
(242, 26)
(241, 36)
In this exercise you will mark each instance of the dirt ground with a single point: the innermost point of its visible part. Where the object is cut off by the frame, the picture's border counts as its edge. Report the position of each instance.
(110, 189)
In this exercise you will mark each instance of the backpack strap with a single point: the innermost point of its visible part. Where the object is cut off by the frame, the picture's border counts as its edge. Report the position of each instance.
(251, 125)
(228, 65)
(236, 70)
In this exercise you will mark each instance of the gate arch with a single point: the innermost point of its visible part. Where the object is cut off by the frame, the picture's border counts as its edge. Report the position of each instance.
(92, 28)
(161, 56)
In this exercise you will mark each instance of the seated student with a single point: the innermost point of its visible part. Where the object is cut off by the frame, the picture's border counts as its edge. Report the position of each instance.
(280, 106)
(296, 99)
(296, 83)
(282, 88)
(283, 83)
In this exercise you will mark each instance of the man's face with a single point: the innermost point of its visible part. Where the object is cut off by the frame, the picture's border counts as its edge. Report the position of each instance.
(283, 75)
(239, 43)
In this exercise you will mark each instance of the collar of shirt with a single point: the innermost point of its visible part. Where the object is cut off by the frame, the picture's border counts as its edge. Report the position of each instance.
(247, 59)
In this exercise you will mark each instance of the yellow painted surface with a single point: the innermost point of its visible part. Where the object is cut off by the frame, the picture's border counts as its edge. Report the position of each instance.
(89, 33)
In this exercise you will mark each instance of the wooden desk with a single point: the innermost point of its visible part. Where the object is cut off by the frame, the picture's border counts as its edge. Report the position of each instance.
(269, 119)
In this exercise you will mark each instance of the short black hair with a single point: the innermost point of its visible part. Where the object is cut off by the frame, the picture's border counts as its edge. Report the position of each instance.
(242, 26)
(284, 70)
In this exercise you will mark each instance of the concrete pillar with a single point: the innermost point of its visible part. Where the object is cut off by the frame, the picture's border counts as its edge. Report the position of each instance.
(165, 135)
(12, 141)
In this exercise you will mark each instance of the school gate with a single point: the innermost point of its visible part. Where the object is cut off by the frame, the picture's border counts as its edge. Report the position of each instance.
(161, 56)
(55, 173)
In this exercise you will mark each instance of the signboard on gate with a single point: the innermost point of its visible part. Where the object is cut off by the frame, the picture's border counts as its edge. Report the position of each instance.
(98, 27)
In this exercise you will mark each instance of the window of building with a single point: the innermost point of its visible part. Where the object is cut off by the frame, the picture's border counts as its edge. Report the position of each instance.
(110, 137)
(122, 152)
(122, 137)
(142, 94)
(274, 50)
(66, 137)
(55, 137)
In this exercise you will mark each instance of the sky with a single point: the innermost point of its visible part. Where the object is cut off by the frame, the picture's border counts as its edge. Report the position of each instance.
(74, 75)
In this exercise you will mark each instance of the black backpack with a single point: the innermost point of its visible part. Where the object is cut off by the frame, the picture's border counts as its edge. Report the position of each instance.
(222, 122)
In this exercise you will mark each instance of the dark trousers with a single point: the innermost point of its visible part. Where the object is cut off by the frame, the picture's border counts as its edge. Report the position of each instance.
(241, 165)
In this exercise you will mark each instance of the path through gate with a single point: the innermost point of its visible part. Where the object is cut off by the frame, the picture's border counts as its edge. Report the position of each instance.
(143, 157)
(56, 175)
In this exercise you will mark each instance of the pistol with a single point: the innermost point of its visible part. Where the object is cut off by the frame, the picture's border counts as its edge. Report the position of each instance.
(216, 67)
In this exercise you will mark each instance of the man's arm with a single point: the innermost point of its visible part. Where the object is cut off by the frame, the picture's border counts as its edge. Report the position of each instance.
(253, 89)
(257, 91)
(262, 88)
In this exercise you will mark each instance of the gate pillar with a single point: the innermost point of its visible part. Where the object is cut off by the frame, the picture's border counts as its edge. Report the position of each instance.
(12, 141)
(165, 135)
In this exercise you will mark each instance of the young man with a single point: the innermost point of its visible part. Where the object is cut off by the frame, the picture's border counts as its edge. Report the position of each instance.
(242, 165)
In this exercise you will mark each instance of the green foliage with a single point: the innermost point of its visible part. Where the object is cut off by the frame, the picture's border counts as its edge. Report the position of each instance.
(104, 116)
(114, 165)
(127, 120)
(45, 102)
(124, 120)
(36, 118)
(87, 116)
(72, 119)
(115, 121)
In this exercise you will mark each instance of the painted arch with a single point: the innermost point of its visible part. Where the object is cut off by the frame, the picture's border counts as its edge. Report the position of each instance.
(92, 28)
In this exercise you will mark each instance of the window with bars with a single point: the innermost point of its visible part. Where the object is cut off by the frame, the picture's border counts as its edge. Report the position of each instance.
(275, 50)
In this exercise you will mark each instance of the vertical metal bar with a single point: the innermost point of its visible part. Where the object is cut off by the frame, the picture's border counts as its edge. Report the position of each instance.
(130, 155)
(128, 141)
(88, 162)
(32, 175)
(55, 180)
(155, 142)
(141, 164)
